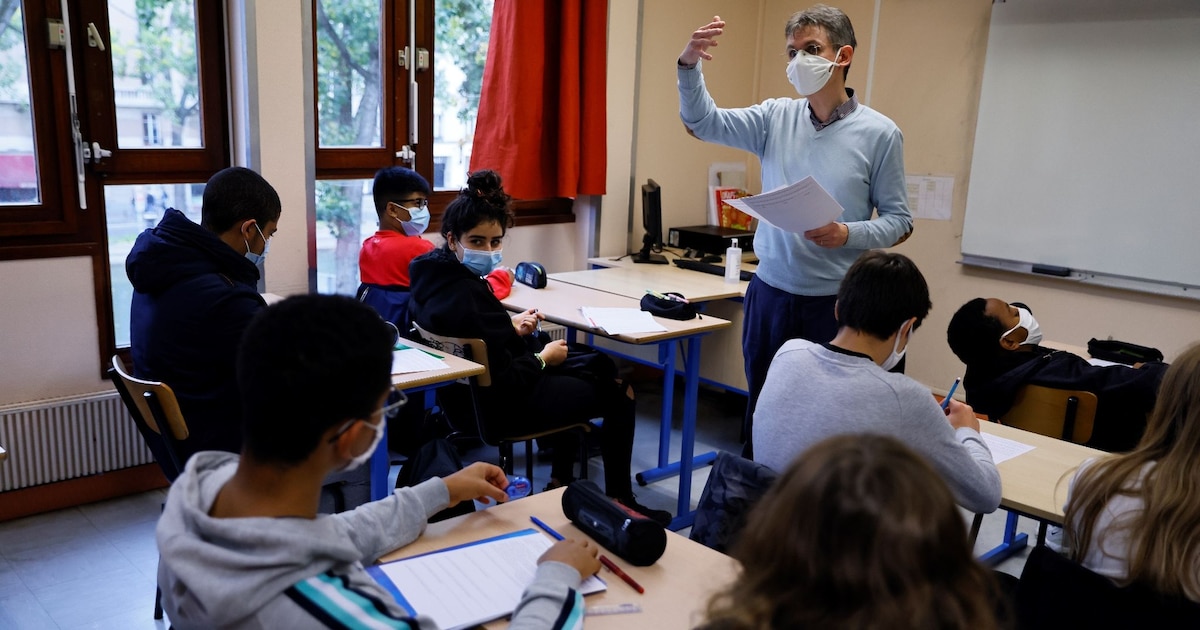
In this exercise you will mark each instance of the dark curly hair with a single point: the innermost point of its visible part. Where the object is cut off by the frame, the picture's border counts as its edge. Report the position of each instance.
(973, 335)
(483, 200)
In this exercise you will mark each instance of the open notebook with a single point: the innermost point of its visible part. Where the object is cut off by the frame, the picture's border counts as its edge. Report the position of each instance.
(470, 584)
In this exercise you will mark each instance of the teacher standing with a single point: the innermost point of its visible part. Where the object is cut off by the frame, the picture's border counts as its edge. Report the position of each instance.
(854, 152)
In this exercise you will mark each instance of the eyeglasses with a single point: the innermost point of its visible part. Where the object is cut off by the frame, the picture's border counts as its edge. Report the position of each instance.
(812, 49)
(388, 411)
(409, 203)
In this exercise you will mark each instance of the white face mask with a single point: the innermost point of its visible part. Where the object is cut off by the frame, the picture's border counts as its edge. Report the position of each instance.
(897, 353)
(809, 73)
(361, 458)
(1025, 320)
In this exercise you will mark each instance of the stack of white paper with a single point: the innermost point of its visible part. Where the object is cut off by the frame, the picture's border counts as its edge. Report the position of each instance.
(411, 360)
(472, 584)
(621, 321)
(800, 207)
(1004, 449)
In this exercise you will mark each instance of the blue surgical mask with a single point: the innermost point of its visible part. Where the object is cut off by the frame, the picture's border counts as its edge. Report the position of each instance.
(258, 258)
(418, 222)
(481, 262)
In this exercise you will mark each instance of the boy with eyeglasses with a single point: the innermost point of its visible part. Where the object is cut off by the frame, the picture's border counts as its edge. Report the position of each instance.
(402, 203)
(240, 541)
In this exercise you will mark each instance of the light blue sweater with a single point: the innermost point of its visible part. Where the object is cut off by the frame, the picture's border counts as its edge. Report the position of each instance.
(859, 160)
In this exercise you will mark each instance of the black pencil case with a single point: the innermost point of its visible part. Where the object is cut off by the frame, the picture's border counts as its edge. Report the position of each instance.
(669, 308)
(635, 538)
(1122, 351)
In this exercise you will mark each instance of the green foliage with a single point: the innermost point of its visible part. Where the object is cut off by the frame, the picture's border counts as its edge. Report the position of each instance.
(347, 70)
(462, 29)
(12, 52)
(165, 59)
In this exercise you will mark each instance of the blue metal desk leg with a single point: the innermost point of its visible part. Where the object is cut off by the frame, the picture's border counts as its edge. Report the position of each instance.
(381, 464)
(666, 357)
(691, 389)
(1013, 542)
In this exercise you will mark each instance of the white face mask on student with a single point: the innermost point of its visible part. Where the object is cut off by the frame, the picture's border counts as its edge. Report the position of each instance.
(1026, 320)
(809, 73)
(897, 352)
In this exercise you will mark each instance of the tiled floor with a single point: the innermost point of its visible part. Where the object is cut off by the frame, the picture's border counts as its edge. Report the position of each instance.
(94, 566)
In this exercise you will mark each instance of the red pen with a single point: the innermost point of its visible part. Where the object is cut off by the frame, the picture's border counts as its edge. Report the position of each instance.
(612, 566)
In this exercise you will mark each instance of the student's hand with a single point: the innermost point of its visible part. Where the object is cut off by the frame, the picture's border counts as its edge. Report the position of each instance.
(961, 415)
(476, 481)
(580, 554)
(555, 352)
(829, 236)
(526, 321)
(702, 39)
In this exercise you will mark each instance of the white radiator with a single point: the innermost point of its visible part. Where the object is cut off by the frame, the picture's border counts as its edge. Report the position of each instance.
(64, 438)
(555, 331)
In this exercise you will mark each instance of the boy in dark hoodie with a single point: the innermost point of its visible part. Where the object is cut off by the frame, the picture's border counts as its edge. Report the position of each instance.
(241, 544)
(999, 343)
(195, 289)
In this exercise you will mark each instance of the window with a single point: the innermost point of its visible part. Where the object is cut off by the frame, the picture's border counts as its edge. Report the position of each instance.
(363, 122)
(152, 126)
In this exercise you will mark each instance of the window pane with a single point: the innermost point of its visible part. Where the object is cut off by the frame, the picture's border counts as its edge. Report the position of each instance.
(349, 74)
(155, 74)
(461, 36)
(345, 216)
(130, 209)
(18, 164)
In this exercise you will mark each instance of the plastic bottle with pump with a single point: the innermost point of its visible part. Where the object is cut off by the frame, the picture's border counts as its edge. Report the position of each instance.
(733, 262)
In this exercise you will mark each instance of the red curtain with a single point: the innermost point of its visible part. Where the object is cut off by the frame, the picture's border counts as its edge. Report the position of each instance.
(541, 121)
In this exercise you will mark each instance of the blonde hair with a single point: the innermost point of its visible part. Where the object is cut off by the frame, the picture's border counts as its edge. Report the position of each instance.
(1163, 474)
(859, 532)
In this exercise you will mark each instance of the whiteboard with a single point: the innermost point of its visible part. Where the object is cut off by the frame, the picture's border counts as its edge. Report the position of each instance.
(1087, 146)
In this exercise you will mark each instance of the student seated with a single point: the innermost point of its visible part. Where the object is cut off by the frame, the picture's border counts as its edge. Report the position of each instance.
(195, 289)
(998, 342)
(814, 391)
(1135, 517)
(241, 544)
(402, 203)
(531, 389)
(858, 532)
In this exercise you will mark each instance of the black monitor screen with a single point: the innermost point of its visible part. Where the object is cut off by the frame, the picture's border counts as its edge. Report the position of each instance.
(652, 224)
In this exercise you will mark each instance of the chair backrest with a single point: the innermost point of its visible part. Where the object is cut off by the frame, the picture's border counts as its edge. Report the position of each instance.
(734, 486)
(466, 347)
(1056, 593)
(153, 406)
(473, 350)
(1065, 414)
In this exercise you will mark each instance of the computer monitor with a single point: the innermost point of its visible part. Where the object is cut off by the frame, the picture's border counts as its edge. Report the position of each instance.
(652, 223)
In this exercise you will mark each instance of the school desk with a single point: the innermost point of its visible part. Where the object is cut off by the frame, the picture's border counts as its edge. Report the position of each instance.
(560, 303)
(677, 586)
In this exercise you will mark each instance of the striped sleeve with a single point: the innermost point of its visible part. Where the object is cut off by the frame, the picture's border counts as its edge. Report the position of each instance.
(331, 600)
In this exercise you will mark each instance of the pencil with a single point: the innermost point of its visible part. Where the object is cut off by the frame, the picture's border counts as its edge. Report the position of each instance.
(546, 528)
(612, 566)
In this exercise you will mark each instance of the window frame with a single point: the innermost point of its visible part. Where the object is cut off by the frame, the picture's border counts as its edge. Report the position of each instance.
(342, 163)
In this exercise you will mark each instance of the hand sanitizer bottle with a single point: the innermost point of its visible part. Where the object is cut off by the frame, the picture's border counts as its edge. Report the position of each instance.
(733, 262)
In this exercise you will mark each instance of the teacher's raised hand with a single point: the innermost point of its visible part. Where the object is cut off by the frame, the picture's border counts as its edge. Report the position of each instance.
(702, 39)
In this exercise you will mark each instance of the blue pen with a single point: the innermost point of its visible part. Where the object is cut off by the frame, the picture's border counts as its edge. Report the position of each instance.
(546, 528)
(950, 394)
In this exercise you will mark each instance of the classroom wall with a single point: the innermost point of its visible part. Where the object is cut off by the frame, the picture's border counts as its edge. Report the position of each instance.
(925, 74)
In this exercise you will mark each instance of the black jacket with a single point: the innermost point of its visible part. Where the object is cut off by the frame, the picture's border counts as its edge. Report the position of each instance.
(449, 299)
(1124, 395)
(193, 297)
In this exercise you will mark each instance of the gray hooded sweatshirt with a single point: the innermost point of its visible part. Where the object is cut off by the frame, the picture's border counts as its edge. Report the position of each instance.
(308, 573)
